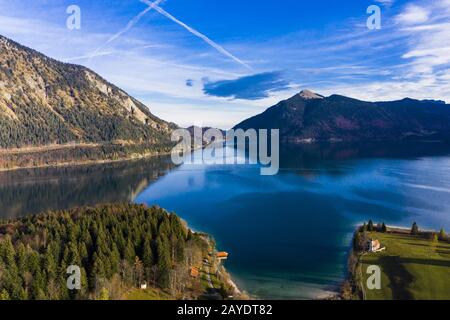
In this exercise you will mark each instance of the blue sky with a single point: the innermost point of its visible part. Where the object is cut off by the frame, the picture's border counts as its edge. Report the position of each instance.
(215, 63)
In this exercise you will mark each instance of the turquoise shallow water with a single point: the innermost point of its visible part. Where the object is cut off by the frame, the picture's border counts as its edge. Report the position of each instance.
(288, 235)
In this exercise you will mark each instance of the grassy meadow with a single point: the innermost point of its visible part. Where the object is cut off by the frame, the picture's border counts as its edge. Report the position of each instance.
(413, 268)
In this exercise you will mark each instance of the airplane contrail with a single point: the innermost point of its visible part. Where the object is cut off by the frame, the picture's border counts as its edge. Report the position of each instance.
(133, 22)
(88, 56)
(129, 25)
(219, 48)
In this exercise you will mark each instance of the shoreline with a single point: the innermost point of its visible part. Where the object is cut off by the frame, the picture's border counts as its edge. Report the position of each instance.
(222, 271)
(134, 157)
(59, 147)
(234, 285)
(49, 147)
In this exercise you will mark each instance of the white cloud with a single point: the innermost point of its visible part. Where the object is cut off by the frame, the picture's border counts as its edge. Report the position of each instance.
(386, 3)
(430, 47)
(425, 88)
(412, 15)
(404, 59)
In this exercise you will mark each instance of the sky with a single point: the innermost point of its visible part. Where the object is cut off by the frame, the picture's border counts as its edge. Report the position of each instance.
(216, 62)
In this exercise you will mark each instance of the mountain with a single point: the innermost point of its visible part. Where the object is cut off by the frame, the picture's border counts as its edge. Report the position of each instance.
(206, 137)
(309, 117)
(46, 102)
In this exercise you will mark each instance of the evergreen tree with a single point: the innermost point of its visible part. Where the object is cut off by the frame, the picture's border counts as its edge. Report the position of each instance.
(364, 227)
(370, 227)
(36, 251)
(163, 263)
(130, 254)
(8, 252)
(147, 255)
(50, 264)
(4, 295)
(414, 229)
(21, 256)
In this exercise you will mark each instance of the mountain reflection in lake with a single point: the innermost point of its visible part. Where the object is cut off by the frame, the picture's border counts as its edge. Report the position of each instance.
(30, 191)
(288, 235)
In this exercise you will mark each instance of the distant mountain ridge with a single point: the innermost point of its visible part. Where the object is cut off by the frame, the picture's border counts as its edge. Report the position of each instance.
(310, 117)
(44, 101)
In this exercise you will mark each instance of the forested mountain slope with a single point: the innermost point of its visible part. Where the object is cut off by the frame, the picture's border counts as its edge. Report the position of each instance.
(44, 101)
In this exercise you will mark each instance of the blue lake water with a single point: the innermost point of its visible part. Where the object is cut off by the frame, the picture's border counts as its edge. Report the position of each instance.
(288, 235)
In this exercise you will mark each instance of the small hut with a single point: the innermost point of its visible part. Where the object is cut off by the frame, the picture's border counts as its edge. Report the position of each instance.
(222, 256)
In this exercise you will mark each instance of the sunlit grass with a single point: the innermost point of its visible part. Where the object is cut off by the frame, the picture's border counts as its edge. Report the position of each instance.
(412, 268)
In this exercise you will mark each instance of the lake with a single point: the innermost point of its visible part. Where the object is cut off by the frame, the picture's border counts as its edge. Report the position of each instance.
(288, 235)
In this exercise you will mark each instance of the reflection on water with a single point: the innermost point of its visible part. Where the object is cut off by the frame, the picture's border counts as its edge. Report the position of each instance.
(31, 191)
(288, 235)
(314, 156)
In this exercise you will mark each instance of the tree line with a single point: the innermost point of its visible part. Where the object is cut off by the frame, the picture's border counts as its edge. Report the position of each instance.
(361, 237)
(117, 247)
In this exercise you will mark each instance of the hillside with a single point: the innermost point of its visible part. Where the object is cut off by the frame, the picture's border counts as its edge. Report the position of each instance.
(46, 102)
(309, 117)
(117, 247)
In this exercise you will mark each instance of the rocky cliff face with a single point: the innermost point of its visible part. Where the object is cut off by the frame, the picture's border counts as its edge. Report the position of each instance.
(43, 101)
(309, 117)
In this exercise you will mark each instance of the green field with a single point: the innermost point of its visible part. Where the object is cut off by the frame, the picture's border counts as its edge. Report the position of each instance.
(412, 268)
(148, 294)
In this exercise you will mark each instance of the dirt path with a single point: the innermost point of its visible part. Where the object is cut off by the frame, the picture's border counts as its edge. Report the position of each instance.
(208, 277)
(211, 293)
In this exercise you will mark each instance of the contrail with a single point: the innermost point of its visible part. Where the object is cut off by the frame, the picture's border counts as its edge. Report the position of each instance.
(154, 5)
(88, 56)
(126, 29)
(133, 22)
